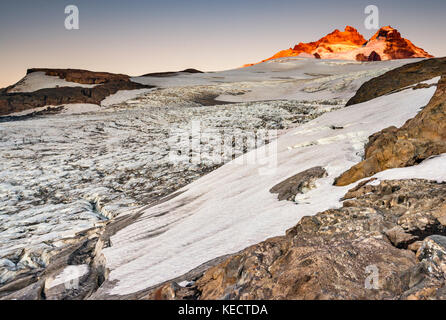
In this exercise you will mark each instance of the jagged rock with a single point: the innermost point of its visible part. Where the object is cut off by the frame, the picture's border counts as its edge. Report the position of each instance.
(433, 253)
(350, 44)
(418, 139)
(299, 183)
(427, 278)
(374, 56)
(398, 237)
(33, 291)
(396, 47)
(359, 190)
(341, 253)
(67, 282)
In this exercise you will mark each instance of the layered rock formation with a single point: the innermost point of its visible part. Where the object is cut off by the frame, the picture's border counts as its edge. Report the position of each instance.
(419, 138)
(396, 47)
(81, 76)
(387, 243)
(108, 84)
(386, 44)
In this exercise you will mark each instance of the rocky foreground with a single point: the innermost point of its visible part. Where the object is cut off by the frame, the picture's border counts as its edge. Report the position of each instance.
(386, 241)
(69, 173)
(396, 229)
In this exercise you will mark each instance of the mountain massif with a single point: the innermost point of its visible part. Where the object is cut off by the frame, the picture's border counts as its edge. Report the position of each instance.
(386, 44)
(344, 201)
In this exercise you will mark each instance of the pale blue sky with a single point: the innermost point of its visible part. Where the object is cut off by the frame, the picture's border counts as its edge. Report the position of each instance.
(137, 37)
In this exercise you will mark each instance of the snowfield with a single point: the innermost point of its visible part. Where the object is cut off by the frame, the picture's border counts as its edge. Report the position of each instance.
(231, 208)
(67, 172)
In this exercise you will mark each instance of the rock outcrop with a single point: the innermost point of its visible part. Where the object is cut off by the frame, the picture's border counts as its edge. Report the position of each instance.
(299, 183)
(81, 76)
(172, 73)
(108, 84)
(386, 44)
(396, 47)
(387, 243)
(399, 78)
(418, 139)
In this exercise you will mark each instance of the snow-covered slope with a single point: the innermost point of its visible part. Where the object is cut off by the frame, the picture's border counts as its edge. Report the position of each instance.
(66, 172)
(39, 80)
(285, 78)
(231, 208)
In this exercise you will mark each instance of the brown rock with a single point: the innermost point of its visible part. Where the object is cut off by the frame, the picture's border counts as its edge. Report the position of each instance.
(81, 76)
(418, 139)
(396, 46)
(109, 84)
(341, 253)
(398, 237)
(361, 57)
(299, 183)
(374, 57)
(396, 79)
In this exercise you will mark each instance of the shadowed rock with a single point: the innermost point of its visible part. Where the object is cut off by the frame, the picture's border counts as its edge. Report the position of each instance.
(399, 78)
(299, 183)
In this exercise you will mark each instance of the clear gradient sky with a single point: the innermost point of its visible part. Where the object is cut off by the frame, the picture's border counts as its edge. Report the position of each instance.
(141, 36)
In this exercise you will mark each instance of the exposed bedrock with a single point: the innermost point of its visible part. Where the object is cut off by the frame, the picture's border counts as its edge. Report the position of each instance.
(388, 243)
(399, 78)
(419, 138)
(299, 183)
(81, 76)
(108, 84)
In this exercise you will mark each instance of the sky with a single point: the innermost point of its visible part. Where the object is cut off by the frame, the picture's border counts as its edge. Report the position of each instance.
(140, 36)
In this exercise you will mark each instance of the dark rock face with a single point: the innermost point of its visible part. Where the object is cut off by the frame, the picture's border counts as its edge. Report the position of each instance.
(171, 73)
(299, 183)
(346, 253)
(374, 57)
(399, 78)
(108, 84)
(81, 76)
(418, 139)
